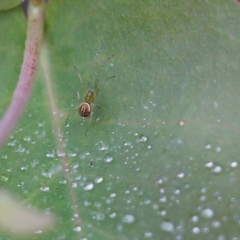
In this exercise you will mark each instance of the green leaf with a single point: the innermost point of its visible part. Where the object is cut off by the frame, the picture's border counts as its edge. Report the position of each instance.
(160, 159)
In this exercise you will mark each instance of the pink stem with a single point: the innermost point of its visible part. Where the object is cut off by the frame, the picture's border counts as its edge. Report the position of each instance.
(28, 71)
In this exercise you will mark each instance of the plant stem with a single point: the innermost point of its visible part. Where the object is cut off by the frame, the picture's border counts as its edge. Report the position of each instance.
(36, 10)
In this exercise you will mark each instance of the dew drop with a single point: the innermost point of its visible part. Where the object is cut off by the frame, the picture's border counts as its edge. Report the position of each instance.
(89, 187)
(142, 138)
(128, 219)
(27, 139)
(63, 181)
(207, 213)
(163, 199)
(77, 229)
(218, 149)
(4, 178)
(61, 153)
(75, 165)
(113, 215)
(221, 237)
(74, 185)
(181, 122)
(113, 195)
(127, 144)
(108, 158)
(217, 169)
(208, 146)
(234, 164)
(181, 175)
(98, 180)
(40, 124)
(159, 181)
(72, 154)
(167, 226)
(99, 216)
(103, 147)
(44, 189)
(148, 235)
(50, 154)
(216, 224)
(47, 174)
(195, 219)
(196, 230)
(209, 164)
(24, 168)
(20, 149)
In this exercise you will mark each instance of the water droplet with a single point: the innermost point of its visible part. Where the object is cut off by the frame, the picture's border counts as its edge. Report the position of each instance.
(217, 169)
(47, 174)
(113, 215)
(181, 122)
(234, 164)
(145, 107)
(163, 213)
(77, 229)
(87, 203)
(108, 159)
(98, 180)
(142, 138)
(218, 149)
(179, 141)
(20, 149)
(103, 146)
(44, 189)
(40, 124)
(128, 219)
(167, 226)
(63, 181)
(113, 195)
(222, 237)
(24, 168)
(195, 219)
(163, 199)
(177, 192)
(72, 154)
(148, 235)
(196, 230)
(181, 175)
(89, 187)
(12, 144)
(50, 154)
(61, 153)
(207, 213)
(4, 178)
(84, 155)
(75, 165)
(209, 164)
(216, 224)
(27, 139)
(99, 216)
(208, 146)
(34, 163)
(127, 144)
(159, 181)
(74, 185)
